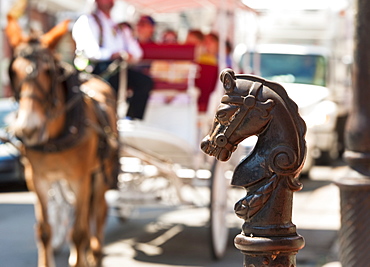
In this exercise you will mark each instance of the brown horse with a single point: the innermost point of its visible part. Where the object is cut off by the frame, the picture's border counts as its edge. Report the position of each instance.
(68, 129)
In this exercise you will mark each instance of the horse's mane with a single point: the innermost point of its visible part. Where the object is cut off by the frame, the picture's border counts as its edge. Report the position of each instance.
(291, 106)
(293, 111)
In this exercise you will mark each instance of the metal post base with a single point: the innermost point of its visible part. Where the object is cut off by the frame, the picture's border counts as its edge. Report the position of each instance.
(269, 251)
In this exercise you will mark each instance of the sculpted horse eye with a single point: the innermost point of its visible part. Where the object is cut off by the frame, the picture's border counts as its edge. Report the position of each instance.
(221, 115)
(225, 113)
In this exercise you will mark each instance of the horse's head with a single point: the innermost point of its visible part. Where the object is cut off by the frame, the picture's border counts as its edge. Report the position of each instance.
(240, 115)
(35, 76)
(254, 106)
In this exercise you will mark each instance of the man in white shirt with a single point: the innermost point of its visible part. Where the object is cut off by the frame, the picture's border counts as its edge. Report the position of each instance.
(100, 39)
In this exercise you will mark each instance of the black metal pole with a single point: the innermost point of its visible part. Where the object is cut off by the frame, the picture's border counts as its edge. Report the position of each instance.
(354, 235)
(270, 238)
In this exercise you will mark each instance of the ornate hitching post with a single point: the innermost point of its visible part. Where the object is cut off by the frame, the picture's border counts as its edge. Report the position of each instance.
(354, 235)
(254, 106)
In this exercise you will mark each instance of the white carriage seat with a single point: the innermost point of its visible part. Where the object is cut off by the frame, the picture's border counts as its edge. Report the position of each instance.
(169, 127)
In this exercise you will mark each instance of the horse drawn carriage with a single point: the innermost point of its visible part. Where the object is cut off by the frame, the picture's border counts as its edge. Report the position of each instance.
(71, 146)
(161, 159)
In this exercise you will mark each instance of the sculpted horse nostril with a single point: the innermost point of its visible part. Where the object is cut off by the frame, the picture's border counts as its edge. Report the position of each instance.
(204, 145)
(223, 155)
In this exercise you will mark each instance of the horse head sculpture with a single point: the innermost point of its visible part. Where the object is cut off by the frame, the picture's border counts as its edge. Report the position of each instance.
(254, 106)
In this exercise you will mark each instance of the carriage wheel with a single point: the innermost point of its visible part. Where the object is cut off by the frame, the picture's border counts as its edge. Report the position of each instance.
(219, 231)
(59, 213)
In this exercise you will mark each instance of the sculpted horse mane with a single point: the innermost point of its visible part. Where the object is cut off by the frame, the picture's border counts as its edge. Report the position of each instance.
(67, 124)
(278, 150)
(254, 106)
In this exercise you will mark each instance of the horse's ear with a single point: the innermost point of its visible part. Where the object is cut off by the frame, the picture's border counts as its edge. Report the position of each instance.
(52, 37)
(13, 31)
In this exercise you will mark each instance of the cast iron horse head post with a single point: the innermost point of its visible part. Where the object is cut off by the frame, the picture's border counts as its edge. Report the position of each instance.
(254, 106)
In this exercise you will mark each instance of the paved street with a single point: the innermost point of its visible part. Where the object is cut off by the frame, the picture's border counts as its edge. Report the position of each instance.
(178, 236)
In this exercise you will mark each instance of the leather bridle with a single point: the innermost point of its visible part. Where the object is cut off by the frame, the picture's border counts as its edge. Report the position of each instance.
(37, 55)
(245, 103)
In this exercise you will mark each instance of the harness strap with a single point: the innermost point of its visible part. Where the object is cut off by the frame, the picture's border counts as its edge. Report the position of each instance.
(98, 22)
(108, 143)
(248, 103)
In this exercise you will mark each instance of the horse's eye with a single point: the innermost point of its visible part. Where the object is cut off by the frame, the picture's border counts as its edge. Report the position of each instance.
(221, 114)
(225, 113)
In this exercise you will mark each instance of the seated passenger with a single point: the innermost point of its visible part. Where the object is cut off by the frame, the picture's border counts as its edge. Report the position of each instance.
(145, 29)
(195, 37)
(209, 55)
(169, 37)
(102, 41)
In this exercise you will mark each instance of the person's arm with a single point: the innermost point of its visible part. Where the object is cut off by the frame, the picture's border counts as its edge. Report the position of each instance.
(86, 34)
(132, 46)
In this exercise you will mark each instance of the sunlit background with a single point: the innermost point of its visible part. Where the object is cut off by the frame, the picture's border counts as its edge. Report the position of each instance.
(306, 46)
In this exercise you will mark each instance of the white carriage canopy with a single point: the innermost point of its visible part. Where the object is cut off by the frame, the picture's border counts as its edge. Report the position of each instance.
(168, 6)
(231, 19)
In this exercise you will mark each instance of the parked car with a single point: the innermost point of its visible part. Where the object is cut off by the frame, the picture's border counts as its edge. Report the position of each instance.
(11, 168)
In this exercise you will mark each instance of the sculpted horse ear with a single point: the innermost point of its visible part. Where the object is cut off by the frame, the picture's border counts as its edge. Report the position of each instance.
(227, 77)
(52, 37)
(14, 32)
